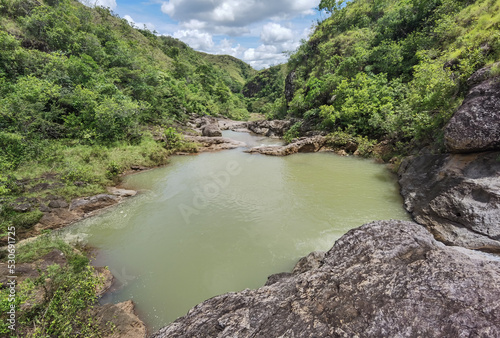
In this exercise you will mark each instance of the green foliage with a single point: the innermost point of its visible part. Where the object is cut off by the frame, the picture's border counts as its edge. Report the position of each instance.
(69, 294)
(392, 69)
(293, 132)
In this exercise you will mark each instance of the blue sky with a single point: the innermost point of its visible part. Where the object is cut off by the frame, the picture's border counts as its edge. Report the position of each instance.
(256, 31)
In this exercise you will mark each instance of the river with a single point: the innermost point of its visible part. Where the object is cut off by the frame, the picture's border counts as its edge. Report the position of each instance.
(218, 222)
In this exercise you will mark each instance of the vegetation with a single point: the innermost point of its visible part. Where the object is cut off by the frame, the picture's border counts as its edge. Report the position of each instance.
(84, 95)
(265, 92)
(393, 70)
(60, 301)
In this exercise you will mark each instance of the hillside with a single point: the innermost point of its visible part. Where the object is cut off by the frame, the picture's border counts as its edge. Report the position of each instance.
(75, 79)
(235, 73)
(390, 69)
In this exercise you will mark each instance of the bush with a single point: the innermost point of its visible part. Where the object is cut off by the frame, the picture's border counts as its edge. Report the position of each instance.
(293, 132)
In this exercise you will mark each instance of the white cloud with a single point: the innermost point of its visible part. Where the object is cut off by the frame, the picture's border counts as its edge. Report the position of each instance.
(274, 32)
(235, 13)
(140, 25)
(102, 3)
(195, 39)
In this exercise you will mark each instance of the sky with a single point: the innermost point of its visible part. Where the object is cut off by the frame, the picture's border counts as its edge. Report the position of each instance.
(259, 32)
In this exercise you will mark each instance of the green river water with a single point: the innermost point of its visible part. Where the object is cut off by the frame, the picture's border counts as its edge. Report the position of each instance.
(219, 222)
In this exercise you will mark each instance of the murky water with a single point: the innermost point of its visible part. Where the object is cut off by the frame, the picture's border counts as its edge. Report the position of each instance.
(219, 222)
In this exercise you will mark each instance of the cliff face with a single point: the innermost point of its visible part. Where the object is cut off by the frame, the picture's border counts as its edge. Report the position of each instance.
(388, 278)
(457, 196)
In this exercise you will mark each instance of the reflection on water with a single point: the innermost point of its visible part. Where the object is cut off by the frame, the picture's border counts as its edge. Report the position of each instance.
(213, 223)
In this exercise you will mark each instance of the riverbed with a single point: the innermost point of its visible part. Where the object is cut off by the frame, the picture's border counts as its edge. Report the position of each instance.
(219, 222)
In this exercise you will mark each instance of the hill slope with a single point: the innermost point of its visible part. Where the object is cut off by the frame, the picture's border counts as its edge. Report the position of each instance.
(391, 69)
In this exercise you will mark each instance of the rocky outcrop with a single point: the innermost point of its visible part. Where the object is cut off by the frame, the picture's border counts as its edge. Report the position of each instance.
(214, 143)
(301, 145)
(274, 128)
(475, 126)
(225, 124)
(457, 197)
(384, 279)
(125, 323)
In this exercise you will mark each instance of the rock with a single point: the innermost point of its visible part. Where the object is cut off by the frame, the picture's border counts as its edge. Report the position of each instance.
(475, 125)
(56, 218)
(302, 145)
(126, 323)
(138, 168)
(211, 130)
(312, 261)
(275, 128)
(22, 207)
(384, 279)
(107, 280)
(31, 270)
(58, 204)
(456, 196)
(204, 120)
(88, 204)
(214, 143)
(122, 192)
(225, 124)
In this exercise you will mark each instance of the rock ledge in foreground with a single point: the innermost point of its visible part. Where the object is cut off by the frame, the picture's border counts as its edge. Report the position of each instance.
(384, 279)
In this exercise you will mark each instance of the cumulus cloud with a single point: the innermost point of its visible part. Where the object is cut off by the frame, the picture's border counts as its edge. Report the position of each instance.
(102, 3)
(140, 25)
(234, 13)
(274, 32)
(196, 39)
(202, 20)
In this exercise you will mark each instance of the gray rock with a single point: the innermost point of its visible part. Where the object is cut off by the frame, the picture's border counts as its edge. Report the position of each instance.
(312, 261)
(211, 130)
(58, 204)
(302, 145)
(457, 197)
(214, 143)
(475, 126)
(22, 207)
(88, 204)
(275, 128)
(384, 279)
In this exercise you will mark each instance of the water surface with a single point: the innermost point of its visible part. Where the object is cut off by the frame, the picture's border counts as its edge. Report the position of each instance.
(219, 222)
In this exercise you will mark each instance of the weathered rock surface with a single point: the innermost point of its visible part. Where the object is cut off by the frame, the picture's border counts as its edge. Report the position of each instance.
(274, 128)
(302, 145)
(88, 204)
(211, 130)
(122, 192)
(214, 143)
(225, 124)
(456, 196)
(384, 279)
(475, 126)
(126, 324)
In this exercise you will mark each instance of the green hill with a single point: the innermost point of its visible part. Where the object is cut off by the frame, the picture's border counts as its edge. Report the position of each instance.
(235, 72)
(84, 96)
(390, 69)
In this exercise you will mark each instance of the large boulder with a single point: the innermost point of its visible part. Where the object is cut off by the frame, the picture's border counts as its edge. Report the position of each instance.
(384, 279)
(475, 126)
(211, 130)
(456, 196)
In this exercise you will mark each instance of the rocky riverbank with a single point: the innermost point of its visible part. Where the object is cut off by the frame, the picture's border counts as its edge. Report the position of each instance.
(393, 278)
(385, 279)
